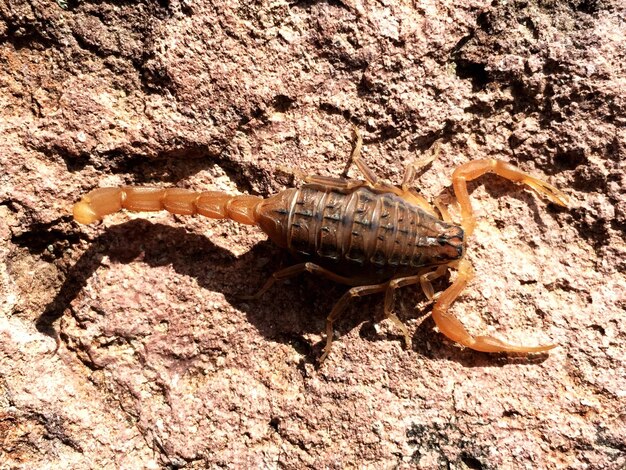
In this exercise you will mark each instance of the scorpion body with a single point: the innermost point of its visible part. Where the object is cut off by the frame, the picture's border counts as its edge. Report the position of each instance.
(360, 229)
(369, 235)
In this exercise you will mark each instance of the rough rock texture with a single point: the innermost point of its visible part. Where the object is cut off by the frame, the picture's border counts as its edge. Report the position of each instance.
(159, 364)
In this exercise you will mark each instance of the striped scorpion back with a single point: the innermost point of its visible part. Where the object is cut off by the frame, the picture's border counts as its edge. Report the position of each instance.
(359, 227)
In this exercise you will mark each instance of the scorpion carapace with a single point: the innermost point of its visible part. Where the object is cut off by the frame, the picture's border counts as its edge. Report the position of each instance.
(368, 235)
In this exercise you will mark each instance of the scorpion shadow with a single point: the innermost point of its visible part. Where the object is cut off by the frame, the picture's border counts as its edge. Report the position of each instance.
(280, 315)
(292, 308)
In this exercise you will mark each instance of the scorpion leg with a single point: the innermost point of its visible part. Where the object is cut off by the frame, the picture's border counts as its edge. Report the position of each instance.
(425, 281)
(443, 210)
(409, 194)
(324, 183)
(476, 168)
(355, 157)
(419, 200)
(454, 330)
(296, 269)
(339, 308)
(370, 177)
(391, 288)
(413, 168)
(404, 192)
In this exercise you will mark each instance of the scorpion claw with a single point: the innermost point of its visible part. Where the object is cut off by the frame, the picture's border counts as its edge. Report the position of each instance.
(453, 329)
(491, 344)
(556, 196)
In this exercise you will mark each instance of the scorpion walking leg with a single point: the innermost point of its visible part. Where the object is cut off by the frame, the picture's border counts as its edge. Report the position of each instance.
(443, 210)
(413, 168)
(419, 200)
(425, 282)
(341, 305)
(409, 194)
(426, 279)
(389, 293)
(454, 330)
(296, 269)
(409, 176)
(355, 157)
(328, 182)
(477, 168)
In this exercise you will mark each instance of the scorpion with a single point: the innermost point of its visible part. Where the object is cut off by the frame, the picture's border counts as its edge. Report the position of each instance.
(366, 234)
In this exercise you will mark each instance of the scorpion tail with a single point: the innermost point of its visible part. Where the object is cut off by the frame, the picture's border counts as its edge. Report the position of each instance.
(215, 204)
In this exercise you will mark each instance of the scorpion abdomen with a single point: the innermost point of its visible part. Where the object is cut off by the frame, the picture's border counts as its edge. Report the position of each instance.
(360, 227)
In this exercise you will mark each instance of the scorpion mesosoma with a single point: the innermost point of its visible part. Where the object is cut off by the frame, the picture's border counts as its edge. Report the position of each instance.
(366, 234)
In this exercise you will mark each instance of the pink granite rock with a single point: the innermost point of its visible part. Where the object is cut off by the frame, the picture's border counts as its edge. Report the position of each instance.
(161, 364)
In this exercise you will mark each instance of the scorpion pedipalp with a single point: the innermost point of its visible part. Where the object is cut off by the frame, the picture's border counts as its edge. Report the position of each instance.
(477, 168)
(453, 329)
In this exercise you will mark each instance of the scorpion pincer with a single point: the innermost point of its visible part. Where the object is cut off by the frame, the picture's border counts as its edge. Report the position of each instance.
(365, 234)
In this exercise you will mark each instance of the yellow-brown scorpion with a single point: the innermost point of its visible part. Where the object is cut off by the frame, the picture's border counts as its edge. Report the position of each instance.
(365, 234)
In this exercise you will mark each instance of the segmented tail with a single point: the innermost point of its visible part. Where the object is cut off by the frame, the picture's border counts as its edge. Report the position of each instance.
(215, 204)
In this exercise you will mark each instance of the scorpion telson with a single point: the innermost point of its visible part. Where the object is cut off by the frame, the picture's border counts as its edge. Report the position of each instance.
(366, 234)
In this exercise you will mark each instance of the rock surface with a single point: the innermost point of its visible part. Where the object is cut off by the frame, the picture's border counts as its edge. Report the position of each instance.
(160, 364)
